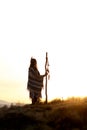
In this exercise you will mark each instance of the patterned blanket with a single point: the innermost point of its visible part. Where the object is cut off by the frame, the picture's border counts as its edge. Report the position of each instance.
(35, 82)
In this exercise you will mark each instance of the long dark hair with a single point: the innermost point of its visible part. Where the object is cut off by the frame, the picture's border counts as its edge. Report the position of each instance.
(33, 62)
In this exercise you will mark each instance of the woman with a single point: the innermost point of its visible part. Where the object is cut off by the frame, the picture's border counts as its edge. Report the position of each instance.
(35, 81)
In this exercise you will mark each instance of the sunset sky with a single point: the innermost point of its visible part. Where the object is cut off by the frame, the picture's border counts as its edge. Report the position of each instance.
(30, 28)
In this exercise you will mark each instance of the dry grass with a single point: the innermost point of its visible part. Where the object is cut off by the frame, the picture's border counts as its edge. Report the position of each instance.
(56, 115)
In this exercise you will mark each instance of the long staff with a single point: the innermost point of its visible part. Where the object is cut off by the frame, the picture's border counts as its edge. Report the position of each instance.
(46, 70)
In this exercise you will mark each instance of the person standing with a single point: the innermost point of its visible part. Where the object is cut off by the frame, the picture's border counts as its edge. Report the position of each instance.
(35, 81)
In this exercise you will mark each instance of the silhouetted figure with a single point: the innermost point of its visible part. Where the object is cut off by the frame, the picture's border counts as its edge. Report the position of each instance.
(35, 81)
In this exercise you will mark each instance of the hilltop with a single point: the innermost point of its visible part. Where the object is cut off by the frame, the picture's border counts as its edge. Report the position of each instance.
(56, 115)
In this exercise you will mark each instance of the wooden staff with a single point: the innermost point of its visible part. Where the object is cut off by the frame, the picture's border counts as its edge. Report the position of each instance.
(46, 70)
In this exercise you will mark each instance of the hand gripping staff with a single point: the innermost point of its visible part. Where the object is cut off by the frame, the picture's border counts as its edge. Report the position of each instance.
(47, 76)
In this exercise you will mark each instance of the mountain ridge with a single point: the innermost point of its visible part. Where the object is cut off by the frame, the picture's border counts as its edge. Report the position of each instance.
(4, 102)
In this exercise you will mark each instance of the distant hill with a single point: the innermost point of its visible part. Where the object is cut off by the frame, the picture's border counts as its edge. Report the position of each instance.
(56, 115)
(3, 103)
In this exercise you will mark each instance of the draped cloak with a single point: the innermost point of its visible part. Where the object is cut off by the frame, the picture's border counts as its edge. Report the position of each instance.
(35, 82)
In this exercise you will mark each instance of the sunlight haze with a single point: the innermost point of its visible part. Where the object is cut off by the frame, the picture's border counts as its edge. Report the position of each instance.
(32, 28)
